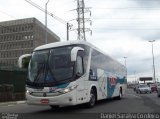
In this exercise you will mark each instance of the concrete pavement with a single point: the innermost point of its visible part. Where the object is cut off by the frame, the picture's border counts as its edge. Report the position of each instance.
(12, 103)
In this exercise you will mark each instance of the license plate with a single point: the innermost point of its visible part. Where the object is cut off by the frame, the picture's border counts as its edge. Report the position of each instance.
(44, 101)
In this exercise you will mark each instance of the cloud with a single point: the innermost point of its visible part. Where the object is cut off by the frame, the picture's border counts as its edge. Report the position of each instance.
(120, 27)
(148, 3)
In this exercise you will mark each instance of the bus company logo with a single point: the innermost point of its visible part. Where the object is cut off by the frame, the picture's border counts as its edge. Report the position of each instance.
(112, 81)
(52, 89)
(44, 94)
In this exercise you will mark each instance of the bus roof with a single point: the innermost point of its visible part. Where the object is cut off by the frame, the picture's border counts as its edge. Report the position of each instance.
(65, 43)
(58, 44)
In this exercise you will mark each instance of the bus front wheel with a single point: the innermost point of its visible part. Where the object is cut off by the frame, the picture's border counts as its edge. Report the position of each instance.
(92, 100)
(54, 107)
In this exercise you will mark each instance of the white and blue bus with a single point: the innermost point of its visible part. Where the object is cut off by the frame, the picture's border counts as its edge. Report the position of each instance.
(71, 73)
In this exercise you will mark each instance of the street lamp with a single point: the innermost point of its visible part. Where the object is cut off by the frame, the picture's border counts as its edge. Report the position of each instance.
(46, 22)
(69, 26)
(151, 41)
(125, 64)
(135, 77)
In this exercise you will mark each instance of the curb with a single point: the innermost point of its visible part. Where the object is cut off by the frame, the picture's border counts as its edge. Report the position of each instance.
(21, 102)
(12, 103)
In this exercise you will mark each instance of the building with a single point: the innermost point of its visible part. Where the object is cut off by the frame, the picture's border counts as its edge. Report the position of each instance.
(19, 37)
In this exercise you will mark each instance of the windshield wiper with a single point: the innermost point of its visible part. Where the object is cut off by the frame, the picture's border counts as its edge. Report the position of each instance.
(48, 70)
(38, 72)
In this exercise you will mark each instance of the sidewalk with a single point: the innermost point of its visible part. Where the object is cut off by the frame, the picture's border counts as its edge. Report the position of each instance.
(12, 103)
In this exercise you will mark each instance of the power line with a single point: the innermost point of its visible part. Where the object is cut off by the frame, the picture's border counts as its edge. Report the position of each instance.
(128, 0)
(54, 16)
(51, 14)
(125, 21)
(126, 8)
(119, 18)
(129, 29)
(7, 14)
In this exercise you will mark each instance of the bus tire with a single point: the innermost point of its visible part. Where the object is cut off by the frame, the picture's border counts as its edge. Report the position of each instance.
(92, 100)
(54, 107)
(120, 94)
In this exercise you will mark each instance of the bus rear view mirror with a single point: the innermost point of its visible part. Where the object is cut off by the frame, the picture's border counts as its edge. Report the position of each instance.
(74, 52)
(23, 60)
(78, 74)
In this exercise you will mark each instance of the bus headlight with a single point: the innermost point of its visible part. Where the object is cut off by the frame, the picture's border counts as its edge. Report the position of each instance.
(28, 92)
(66, 90)
(69, 89)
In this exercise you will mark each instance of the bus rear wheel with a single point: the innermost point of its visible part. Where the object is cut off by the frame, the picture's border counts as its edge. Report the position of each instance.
(120, 94)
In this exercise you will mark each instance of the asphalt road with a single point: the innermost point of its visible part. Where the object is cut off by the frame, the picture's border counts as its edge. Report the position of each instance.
(130, 103)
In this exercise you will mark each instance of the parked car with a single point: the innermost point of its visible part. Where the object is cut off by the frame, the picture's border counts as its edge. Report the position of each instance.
(158, 89)
(143, 88)
(135, 87)
(153, 87)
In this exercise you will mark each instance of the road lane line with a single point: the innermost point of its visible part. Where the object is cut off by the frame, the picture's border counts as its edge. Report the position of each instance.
(21, 102)
(11, 105)
(133, 95)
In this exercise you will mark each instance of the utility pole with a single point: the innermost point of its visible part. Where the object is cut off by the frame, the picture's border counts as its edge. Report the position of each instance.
(81, 19)
(125, 64)
(69, 26)
(135, 77)
(46, 40)
(154, 76)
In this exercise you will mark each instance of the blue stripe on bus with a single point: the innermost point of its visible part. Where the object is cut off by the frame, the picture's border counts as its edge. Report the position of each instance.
(111, 88)
(62, 85)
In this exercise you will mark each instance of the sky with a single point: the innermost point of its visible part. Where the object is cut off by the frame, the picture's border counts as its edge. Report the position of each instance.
(121, 28)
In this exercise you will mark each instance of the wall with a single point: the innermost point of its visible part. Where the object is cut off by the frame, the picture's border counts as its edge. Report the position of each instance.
(12, 85)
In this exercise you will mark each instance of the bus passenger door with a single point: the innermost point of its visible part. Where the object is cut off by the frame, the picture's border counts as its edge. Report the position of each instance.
(80, 79)
(102, 84)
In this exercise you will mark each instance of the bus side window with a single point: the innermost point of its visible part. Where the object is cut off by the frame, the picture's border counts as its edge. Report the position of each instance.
(92, 75)
(79, 65)
(90, 72)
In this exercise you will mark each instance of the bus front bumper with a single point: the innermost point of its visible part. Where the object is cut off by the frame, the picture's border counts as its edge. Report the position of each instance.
(60, 100)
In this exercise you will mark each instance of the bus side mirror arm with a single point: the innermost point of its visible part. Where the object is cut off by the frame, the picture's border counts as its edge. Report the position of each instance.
(74, 52)
(23, 60)
(78, 74)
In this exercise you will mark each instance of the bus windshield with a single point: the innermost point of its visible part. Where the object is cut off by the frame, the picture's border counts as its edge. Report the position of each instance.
(50, 67)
